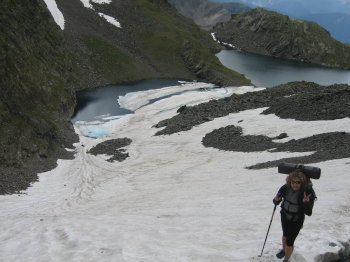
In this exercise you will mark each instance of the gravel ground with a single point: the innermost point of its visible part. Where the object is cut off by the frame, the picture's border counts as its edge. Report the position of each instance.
(15, 179)
(113, 147)
(304, 101)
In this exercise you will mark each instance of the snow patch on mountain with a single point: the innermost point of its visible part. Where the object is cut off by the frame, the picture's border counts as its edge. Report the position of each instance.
(55, 12)
(102, 1)
(110, 19)
(87, 3)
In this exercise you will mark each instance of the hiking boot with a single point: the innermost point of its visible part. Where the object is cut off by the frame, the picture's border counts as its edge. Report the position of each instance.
(281, 254)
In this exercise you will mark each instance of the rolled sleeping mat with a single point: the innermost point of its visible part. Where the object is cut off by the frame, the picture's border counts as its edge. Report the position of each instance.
(309, 171)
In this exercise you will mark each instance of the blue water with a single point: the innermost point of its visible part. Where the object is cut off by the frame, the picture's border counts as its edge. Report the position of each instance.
(103, 101)
(262, 70)
(267, 71)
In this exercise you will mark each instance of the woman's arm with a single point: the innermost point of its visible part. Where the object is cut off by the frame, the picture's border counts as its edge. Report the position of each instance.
(280, 194)
(308, 201)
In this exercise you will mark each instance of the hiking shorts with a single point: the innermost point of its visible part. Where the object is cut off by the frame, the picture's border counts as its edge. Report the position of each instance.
(291, 229)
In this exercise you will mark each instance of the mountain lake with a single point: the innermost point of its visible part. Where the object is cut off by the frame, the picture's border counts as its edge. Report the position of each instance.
(263, 71)
(266, 71)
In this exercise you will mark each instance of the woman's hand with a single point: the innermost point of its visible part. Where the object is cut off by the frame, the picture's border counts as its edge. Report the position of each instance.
(277, 199)
(306, 198)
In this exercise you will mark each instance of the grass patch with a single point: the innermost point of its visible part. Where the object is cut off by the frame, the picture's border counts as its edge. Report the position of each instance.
(177, 42)
(113, 63)
(162, 46)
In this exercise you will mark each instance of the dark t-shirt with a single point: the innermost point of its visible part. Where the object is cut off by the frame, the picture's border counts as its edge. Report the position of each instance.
(293, 201)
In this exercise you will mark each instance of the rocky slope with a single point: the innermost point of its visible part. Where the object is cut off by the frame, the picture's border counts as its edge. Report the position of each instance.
(270, 33)
(154, 41)
(336, 23)
(36, 98)
(42, 66)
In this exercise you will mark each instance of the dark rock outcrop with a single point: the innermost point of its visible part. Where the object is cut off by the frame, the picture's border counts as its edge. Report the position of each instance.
(113, 148)
(343, 255)
(273, 34)
(325, 146)
(314, 102)
(303, 101)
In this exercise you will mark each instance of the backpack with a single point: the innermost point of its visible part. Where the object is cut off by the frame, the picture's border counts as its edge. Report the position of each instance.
(313, 198)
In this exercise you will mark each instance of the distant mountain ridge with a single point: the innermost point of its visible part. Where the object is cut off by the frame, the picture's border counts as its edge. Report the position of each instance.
(205, 13)
(269, 33)
(300, 7)
(333, 15)
(336, 23)
(236, 7)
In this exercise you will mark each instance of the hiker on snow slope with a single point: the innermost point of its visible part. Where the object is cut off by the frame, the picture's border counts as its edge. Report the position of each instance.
(298, 199)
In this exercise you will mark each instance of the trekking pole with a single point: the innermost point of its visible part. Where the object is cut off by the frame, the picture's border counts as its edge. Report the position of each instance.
(273, 212)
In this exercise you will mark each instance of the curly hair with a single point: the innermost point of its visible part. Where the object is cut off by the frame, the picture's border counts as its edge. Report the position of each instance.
(297, 174)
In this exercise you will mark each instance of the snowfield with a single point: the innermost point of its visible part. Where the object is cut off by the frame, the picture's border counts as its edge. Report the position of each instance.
(59, 18)
(55, 12)
(172, 200)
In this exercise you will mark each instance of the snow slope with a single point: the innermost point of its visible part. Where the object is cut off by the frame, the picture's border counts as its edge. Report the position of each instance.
(55, 12)
(59, 18)
(172, 200)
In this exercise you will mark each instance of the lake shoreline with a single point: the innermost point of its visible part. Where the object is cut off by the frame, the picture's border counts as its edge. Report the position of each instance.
(268, 71)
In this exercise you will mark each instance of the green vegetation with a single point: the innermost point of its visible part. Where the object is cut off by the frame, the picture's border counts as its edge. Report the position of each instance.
(163, 46)
(177, 43)
(110, 61)
(163, 40)
(35, 73)
(154, 43)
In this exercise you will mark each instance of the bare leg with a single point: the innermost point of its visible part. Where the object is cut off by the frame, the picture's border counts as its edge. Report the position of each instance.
(289, 251)
(284, 241)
